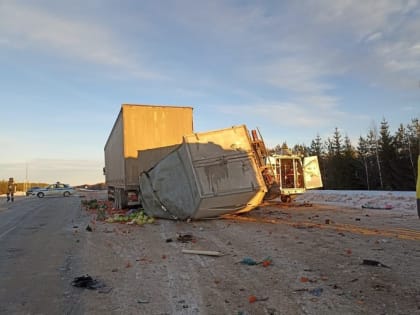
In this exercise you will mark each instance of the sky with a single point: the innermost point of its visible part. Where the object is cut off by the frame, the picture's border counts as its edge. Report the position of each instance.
(292, 69)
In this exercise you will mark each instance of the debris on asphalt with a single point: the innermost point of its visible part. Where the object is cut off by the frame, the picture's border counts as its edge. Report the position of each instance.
(370, 262)
(87, 282)
(88, 228)
(184, 238)
(251, 262)
(201, 252)
(316, 291)
(253, 299)
(378, 207)
(248, 261)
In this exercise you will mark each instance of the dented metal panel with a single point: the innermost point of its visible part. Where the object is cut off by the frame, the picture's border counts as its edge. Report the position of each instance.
(210, 174)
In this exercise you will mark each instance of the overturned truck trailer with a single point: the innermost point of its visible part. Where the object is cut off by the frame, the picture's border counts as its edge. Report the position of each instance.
(209, 174)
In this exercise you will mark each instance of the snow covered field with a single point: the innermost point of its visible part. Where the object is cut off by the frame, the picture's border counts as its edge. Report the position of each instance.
(400, 201)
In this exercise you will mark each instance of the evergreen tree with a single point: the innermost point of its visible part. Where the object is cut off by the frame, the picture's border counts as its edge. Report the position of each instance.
(363, 154)
(375, 164)
(351, 170)
(316, 147)
(387, 156)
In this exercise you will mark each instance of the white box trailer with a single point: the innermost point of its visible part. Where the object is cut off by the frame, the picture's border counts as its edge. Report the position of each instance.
(209, 174)
(140, 127)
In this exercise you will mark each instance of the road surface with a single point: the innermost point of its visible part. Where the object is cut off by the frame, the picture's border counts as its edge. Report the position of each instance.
(38, 255)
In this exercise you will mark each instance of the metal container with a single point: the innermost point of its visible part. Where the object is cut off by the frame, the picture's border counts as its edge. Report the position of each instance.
(209, 174)
(140, 127)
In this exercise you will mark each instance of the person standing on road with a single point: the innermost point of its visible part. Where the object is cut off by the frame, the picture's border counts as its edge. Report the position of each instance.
(11, 189)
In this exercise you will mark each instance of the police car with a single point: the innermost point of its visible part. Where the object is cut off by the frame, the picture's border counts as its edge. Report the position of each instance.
(57, 189)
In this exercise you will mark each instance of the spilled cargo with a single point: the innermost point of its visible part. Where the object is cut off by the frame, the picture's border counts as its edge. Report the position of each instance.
(208, 175)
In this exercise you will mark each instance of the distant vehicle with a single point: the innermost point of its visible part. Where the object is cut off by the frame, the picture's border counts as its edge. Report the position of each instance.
(57, 189)
(31, 190)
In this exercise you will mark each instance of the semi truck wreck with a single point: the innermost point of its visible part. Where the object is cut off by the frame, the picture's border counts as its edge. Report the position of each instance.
(209, 174)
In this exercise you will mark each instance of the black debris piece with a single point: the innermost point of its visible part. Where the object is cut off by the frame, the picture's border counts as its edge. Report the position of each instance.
(87, 282)
(370, 262)
(184, 238)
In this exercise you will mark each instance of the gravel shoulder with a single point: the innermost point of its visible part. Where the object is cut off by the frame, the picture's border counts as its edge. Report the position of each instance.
(316, 256)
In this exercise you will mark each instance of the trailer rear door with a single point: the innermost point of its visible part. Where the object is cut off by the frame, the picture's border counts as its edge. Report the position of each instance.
(312, 173)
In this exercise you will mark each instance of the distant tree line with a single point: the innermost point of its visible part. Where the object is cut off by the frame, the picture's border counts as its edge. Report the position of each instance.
(19, 186)
(381, 160)
(97, 186)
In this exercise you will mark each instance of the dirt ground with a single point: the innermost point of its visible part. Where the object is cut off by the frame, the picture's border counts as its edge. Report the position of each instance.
(313, 263)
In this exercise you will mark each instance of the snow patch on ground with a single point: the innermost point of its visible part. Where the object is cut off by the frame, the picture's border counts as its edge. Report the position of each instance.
(401, 201)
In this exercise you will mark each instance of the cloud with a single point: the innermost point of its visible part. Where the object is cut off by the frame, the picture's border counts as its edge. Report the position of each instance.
(303, 114)
(36, 28)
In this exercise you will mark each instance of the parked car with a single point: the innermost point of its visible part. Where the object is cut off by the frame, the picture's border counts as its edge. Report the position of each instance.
(30, 191)
(57, 189)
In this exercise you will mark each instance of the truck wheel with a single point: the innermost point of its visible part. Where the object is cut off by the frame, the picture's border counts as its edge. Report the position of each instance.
(40, 195)
(285, 198)
(66, 194)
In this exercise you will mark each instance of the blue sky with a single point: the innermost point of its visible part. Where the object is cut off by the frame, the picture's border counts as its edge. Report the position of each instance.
(294, 69)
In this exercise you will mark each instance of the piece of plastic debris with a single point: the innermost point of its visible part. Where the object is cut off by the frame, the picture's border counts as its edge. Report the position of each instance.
(142, 301)
(248, 261)
(370, 262)
(252, 299)
(266, 262)
(316, 291)
(304, 279)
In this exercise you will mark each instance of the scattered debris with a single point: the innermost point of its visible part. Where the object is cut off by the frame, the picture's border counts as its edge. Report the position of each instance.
(369, 262)
(251, 262)
(316, 291)
(248, 261)
(169, 240)
(87, 282)
(327, 221)
(184, 238)
(370, 206)
(253, 299)
(138, 218)
(88, 228)
(201, 252)
(143, 301)
(267, 262)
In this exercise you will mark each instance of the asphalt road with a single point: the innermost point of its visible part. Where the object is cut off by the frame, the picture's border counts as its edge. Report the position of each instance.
(38, 255)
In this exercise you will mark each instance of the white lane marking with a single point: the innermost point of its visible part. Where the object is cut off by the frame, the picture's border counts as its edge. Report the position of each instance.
(9, 230)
